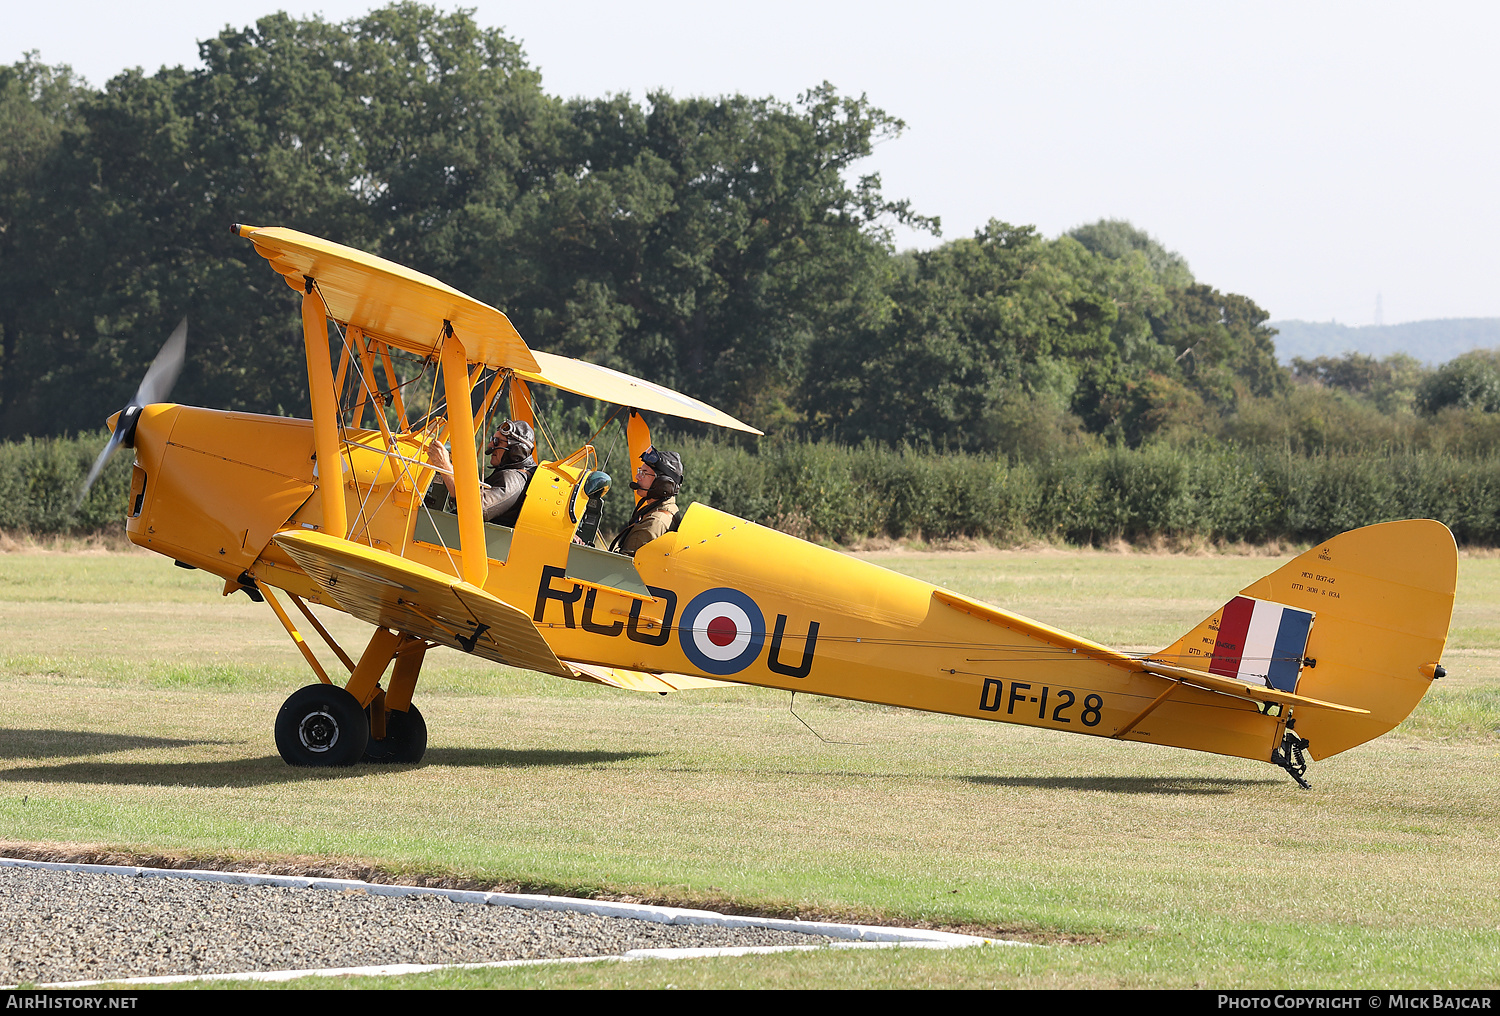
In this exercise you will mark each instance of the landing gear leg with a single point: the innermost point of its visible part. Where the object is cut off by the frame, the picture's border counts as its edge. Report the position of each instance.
(404, 737)
(325, 725)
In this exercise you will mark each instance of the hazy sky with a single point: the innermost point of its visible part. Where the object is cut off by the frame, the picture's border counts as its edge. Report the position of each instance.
(1309, 155)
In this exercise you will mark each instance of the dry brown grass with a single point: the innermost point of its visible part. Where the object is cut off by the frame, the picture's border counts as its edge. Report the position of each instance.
(111, 541)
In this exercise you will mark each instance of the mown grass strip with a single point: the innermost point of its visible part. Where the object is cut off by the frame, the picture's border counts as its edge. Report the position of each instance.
(1166, 868)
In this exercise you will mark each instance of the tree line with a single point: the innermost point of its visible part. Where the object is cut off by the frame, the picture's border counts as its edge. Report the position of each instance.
(724, 246)
(727, 247)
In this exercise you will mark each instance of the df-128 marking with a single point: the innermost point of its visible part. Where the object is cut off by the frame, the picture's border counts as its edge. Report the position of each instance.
(992, 696)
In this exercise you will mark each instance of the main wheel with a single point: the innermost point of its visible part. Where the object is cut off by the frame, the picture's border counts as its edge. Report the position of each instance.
(322, 725)
(405, 738)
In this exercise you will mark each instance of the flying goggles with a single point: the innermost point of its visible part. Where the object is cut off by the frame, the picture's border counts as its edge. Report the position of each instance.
(668, 464)
(517, 433)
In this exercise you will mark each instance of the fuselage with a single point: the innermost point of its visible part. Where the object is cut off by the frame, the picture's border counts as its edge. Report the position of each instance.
(720, 597)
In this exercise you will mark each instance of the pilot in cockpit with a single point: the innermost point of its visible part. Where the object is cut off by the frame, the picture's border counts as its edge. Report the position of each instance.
(504, 490)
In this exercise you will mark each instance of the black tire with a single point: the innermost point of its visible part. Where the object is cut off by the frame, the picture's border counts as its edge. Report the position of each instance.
(322, 725)
(405, 739)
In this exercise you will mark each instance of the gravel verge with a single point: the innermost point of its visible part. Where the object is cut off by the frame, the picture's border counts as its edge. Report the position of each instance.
(70, 926)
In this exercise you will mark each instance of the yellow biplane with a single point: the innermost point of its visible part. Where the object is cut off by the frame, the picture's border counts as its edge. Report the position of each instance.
(1326, 652)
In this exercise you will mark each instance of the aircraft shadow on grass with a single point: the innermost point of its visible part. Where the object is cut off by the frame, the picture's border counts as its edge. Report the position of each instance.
(1180, 785)
(525, 758)
(18, 744)
(270, 769)
(1171, 785)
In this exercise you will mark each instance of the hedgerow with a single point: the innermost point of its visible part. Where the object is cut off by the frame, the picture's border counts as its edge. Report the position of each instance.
(839, 494)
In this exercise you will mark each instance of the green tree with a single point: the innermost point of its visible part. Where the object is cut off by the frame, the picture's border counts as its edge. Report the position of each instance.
(944, 352)
(1471, 381)
(704, 242)
(39, 104)
(1221, 344)
(1117, 239)
(1390, 384)
(974, 334)
(707, 243)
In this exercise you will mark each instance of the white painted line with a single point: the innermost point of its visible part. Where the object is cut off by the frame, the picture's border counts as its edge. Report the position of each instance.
(854, 936)
(754, 950)
(527, 901)
(402, 969)
(388, 970)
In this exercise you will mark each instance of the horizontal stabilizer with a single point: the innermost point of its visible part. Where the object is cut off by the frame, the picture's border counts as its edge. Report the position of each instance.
(395, 593)
(1241, 689)
(1037, 630)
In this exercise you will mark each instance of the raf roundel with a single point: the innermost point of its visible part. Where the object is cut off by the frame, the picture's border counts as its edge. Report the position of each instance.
(722, 631)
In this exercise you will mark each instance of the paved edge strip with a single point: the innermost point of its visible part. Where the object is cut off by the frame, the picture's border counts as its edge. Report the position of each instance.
(403, 969)
(852, 935)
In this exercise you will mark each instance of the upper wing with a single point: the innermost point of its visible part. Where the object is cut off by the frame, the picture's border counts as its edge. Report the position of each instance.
(408, 309)
(389, 301)
(596, 382)
(392, 592)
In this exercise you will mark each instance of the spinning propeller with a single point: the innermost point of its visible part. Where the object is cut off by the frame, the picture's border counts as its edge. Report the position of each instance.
(155, 387)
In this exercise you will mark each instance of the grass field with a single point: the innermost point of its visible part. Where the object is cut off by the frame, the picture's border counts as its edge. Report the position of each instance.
(138, 719)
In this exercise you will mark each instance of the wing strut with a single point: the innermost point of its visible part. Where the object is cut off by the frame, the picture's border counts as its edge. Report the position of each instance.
(476, 561)
(325, 411)
(312, 619)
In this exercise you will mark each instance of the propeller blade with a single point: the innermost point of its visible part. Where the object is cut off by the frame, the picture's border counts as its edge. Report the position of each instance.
(115, 440)
(158, 382)
(155, 387)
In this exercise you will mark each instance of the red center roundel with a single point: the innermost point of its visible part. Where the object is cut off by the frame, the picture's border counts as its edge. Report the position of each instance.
(721, 631)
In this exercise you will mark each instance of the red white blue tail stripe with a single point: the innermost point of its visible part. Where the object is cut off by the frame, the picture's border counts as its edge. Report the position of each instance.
(1261, 642)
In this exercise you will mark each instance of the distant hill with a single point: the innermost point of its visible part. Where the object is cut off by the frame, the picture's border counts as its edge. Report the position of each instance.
(1432, 342)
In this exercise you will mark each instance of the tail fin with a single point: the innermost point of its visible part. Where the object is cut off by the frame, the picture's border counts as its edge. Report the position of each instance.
(1381, 600)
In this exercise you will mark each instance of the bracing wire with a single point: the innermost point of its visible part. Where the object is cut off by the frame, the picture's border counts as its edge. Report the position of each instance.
(1015, 652)
(405, 467)
(545, 431)
(607, 421)
(377, 405)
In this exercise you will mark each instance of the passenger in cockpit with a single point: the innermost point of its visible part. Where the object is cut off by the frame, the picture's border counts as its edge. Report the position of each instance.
(660, 476)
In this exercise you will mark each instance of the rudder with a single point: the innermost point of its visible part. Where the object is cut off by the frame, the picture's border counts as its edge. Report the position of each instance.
(1383, 600)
